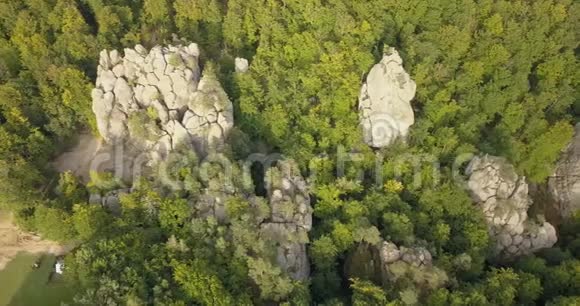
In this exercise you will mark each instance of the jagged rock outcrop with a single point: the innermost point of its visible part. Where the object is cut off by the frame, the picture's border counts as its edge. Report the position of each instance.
(564, 185)
(291, 218)
(154, 105)
(384, 103)
(503, 196)
(284, 216)
(388, 263)
(159, 100)
(417, 257)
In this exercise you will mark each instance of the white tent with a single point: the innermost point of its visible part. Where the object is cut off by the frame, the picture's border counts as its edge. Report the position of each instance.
(59, 266)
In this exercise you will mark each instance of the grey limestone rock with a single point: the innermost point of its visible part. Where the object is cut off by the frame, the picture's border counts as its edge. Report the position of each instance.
(385, 110)
(503, 197)
(166, 85)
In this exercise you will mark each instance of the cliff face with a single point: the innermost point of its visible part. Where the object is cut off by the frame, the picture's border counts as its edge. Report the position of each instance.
(503, 197)
(564, 184)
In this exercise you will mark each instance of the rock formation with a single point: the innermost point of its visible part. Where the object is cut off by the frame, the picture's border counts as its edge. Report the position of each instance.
(417, 257)
(287, 221)
(157, 105)
(387, 263)
(158, 100)
(384, 103)
(399, 262)
(503, 197)
(564, 185)
(291, 218)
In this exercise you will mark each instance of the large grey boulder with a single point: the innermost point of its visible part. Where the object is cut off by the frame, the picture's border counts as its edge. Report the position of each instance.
(288, 195)
(564, 184)
(160, 100)
(384, 103)
(503, 197)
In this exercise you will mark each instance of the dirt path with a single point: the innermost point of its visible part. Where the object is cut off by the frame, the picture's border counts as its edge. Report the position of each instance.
(78, 160)
(14, 241)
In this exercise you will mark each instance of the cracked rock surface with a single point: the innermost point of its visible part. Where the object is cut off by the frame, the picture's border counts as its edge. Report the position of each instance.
(503, 196)
(385, 110)
(291, 218)
(160, 100)
(564, 185)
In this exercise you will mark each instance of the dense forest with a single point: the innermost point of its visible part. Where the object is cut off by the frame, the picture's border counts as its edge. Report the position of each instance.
(493, 77)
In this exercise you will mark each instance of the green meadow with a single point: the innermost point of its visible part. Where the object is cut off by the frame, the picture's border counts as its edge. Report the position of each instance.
(22, 285)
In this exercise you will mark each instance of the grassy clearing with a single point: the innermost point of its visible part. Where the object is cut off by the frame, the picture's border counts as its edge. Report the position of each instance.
(14, 275)
(21, 285)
